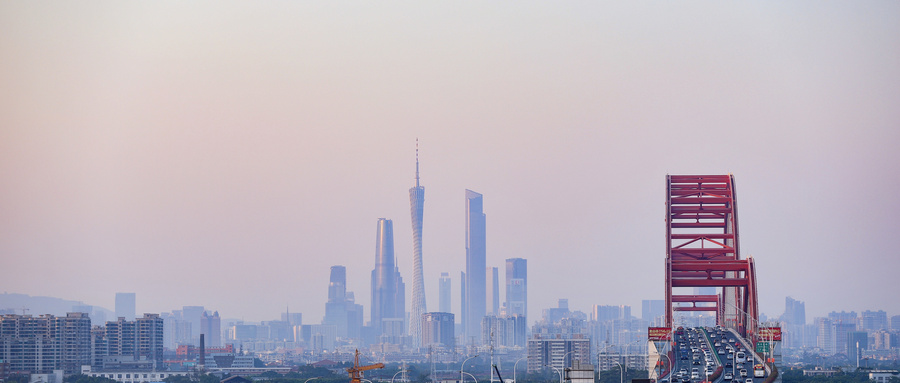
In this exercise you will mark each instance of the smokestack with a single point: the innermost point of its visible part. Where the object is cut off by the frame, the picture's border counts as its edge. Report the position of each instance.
(202, 361)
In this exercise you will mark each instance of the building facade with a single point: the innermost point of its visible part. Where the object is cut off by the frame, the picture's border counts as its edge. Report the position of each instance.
(476, 280)
(388, 290)
(444, 293)
(125, 306)
(516, 287)
(438, 330)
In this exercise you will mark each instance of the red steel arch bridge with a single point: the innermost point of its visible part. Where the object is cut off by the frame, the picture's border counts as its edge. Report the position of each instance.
(702, 250)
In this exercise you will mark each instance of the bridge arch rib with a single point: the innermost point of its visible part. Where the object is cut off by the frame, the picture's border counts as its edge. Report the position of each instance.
(702, 250)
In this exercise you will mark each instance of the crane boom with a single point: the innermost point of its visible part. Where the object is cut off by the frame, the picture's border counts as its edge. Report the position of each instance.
(356, 371)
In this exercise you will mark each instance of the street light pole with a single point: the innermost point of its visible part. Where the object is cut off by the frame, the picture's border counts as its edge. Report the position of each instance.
(558, 372)
(621, 372)
(307, 380)
(463, 366)
(395, 374)
(514, 367)
(473, 376)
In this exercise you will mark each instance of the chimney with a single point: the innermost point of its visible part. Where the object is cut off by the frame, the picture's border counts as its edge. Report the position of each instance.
(202, 362)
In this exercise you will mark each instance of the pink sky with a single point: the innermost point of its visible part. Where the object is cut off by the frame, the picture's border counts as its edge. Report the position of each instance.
(247, 147)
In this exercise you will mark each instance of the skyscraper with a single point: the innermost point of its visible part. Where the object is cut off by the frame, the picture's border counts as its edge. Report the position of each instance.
(125, 307)
(416, 209)
(475, 266)
(341, 311)
(444, 293)
(493, 294)
(211, 327)
(516, 287)
(387, 286)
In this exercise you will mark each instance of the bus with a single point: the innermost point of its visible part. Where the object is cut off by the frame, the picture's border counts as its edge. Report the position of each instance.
(759, 371)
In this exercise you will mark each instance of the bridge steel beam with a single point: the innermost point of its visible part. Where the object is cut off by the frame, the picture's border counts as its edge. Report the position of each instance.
(702, 250)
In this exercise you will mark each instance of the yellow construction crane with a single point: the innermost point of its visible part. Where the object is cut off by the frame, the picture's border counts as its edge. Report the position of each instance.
(356, 370)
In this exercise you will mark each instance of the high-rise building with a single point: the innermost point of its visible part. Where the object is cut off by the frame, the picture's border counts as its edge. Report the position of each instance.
(463, 313)
(211, 328)
(194, 316)
(444, 293)
(45, 343)
(546, 354)
(73, 334)
(516, 287)
(652, 309)
(388, 290)
(416, 209)
(794, 311)
(873, 320)
(437, 330)
(857, 342)
(141, 338)
(341, 311)
(125, 306)
(475, 266)
(493, 294)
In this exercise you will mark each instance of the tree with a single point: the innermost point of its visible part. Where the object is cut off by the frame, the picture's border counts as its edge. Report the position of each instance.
(81, 378)
(177, 379)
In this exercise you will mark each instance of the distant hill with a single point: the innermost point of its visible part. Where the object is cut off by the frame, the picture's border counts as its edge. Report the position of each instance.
(13, 304)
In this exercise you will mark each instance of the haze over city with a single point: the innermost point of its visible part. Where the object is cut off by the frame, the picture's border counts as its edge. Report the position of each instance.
(228, 154)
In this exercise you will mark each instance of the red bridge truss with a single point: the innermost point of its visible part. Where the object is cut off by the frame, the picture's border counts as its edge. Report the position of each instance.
(702, 251)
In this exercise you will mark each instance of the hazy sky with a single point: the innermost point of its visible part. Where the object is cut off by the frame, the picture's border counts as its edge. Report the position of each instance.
(226, 154)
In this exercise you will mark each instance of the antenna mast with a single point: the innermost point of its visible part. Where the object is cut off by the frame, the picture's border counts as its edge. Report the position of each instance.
(417, 161)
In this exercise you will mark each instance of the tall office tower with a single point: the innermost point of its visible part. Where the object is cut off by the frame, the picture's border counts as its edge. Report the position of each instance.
(340, 310)
(437, 330)
(125, 307)
(516, 287)
(193, 315)
(652, 309)
(493, 295)
(475, 266)
(462, 304)
(211, 328)
(416, 210)
(387, 286)
(794, 311)
(444, 293)
(337, 284)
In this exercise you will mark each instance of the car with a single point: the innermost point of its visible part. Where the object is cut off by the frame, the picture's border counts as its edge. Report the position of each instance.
(749, 380)
(727, 376)
(720, 351)
(682, 371)
(729, 356)
(743, 373)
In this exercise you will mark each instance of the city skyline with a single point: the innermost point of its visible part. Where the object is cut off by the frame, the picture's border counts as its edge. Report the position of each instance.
(152, 146)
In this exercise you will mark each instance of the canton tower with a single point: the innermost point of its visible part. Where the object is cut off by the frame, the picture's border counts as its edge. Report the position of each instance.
(416, 208)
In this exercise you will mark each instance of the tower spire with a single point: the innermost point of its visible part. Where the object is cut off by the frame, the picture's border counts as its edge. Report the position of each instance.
(417, 161)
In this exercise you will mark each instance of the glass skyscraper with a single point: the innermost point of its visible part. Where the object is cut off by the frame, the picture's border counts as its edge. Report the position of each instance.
(516, 287)
(476, 280)
(388, 290)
